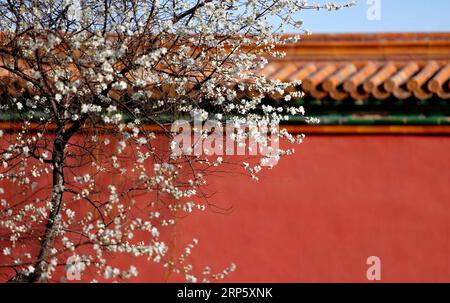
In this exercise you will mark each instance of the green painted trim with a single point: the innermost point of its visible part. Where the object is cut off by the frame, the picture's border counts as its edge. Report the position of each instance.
(370, 120)
(433, 112)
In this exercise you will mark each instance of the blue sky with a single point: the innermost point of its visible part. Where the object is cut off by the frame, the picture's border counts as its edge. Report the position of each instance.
(396, 16)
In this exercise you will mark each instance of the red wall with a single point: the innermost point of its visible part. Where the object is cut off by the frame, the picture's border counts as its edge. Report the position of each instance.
(320, 214)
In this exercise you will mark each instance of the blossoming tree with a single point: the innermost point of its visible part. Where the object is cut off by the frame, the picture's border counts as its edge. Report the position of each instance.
(89, 89)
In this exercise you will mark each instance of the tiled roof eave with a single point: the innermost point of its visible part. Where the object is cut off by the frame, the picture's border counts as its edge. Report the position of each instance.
(352, 67)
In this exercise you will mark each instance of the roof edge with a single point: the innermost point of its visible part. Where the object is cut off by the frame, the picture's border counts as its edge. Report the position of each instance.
(373, 46)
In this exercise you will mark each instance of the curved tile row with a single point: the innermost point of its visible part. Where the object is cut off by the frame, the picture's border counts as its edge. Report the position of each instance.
(339, 81)
(360, 81)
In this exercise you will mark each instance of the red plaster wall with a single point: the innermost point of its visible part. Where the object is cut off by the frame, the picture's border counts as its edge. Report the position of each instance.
(320, 214)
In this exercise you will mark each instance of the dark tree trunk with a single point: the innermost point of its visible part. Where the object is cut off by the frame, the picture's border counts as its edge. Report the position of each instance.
(59, 145)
